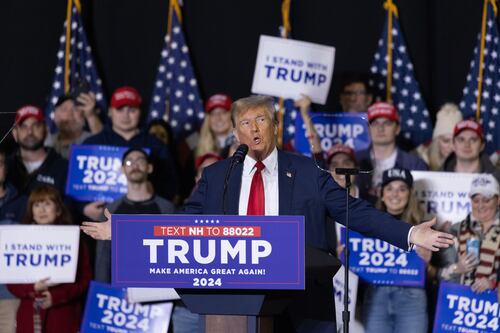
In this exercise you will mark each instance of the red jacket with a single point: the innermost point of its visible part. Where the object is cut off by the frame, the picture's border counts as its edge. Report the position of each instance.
(66, 311)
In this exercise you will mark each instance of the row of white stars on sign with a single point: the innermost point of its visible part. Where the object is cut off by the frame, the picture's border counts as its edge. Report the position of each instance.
(207, 221)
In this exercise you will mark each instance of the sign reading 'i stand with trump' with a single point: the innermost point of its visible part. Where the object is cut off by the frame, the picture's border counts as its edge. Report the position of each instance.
(288, 68)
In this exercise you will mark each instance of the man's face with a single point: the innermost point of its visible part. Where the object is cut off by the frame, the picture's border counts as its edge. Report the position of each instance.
(136, 167)
(125, 119)
(341, 160)
(355, 98)
(68, 118)
(383, 131)
(467, 145)
(256, 128)
(30, 134)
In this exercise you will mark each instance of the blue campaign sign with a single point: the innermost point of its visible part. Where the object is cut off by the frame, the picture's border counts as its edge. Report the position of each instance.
(347, 128)
(220, 252)
(459, 309)
(107, 310)
(379, 262)
(94, 173)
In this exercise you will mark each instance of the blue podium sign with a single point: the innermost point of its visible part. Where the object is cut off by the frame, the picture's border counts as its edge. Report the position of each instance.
(107, 310)
(459, 309)
(381, 263)
(94, 173)
(350, 129)
(219, 252)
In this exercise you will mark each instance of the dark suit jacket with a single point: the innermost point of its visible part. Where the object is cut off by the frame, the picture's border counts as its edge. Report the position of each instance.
(304, 190)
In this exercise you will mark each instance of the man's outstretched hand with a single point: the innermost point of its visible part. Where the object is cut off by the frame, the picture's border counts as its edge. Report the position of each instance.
(423, 235)
(98, 230)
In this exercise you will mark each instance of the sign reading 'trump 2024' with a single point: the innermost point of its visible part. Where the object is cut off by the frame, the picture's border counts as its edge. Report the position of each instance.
(226, 252)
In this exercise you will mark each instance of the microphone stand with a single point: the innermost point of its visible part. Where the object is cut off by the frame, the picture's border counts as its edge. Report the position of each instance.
(346, 313)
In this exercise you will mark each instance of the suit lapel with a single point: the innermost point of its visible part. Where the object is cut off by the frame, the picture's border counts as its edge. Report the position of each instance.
(286, 177)
(233, 191)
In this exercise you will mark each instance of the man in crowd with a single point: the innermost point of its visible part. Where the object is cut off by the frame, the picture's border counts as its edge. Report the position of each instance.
(140, 199)
(124, 131)
(384, 153)
(71, 114)
(355, 95)
(33, 164)
(468, 155)
(12, 208)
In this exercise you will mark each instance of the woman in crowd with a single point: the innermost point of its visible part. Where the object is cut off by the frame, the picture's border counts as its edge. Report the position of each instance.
(216, 129)
(475, 259)
(391, 308)
(46, 307)
(436, 152)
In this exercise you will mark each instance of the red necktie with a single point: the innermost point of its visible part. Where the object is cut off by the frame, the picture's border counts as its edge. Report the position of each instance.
(256, 200)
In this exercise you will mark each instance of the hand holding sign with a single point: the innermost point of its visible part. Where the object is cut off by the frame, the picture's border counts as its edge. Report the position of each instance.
(45, 301)
(423, 235)
(98, 230)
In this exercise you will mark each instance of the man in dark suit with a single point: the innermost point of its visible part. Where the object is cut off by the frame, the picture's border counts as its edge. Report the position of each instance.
(294, 185)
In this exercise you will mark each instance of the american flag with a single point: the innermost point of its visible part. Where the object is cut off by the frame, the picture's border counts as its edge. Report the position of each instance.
(81, 65)
(415, 122)
(290, 113)
(489, 98)
(176, 88)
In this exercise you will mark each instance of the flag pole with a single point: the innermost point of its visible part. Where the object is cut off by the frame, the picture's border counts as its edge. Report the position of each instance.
(481, 56)
(68, 44)
(391, 10)
(285, 31)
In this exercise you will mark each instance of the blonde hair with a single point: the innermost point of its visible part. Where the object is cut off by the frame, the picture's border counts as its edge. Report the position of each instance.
(207, 142)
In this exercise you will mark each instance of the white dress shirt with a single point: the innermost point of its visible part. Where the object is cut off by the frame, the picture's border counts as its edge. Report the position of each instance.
(270, 180)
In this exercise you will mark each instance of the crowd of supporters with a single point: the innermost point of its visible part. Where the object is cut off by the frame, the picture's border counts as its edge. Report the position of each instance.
(161, 172)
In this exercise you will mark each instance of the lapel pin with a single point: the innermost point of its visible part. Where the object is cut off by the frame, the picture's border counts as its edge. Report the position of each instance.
(289, 174)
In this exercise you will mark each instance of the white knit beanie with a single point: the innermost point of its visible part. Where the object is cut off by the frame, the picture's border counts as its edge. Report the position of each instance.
(446, 119)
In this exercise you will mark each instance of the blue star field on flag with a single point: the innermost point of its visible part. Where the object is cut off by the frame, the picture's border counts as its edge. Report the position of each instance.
(490, 92)
(415, 122)
(176, 88)
(82, 67)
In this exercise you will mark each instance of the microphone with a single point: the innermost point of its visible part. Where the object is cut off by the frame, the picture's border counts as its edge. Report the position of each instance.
(238, 157)
(350, 171)
(239, 154)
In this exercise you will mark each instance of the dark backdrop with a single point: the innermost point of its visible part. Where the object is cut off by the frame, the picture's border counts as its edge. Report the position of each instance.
(127, 36)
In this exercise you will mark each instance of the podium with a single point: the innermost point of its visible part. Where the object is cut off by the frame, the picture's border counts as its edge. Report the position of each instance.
(239, 272)
(252, 311)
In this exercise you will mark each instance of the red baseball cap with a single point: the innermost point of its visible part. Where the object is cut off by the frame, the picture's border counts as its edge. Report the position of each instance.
(126, 96)
(468, 125)
(200, 159)
(29, 111)
(382, 110)
(218, 101)
(340, 148)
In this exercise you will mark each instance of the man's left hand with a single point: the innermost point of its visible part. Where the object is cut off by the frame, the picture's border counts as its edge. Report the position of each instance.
(423, 235)
(86, 103)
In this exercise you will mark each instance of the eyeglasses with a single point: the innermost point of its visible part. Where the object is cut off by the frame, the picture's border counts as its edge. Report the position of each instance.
(141, 161)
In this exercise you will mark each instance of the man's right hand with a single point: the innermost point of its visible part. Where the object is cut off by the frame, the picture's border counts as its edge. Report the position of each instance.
(94, 210)
(466, 263)
(98, 230)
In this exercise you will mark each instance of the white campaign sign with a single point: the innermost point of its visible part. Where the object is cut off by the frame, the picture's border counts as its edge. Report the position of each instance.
(29, 253)
(443, 194)
(288, 68)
